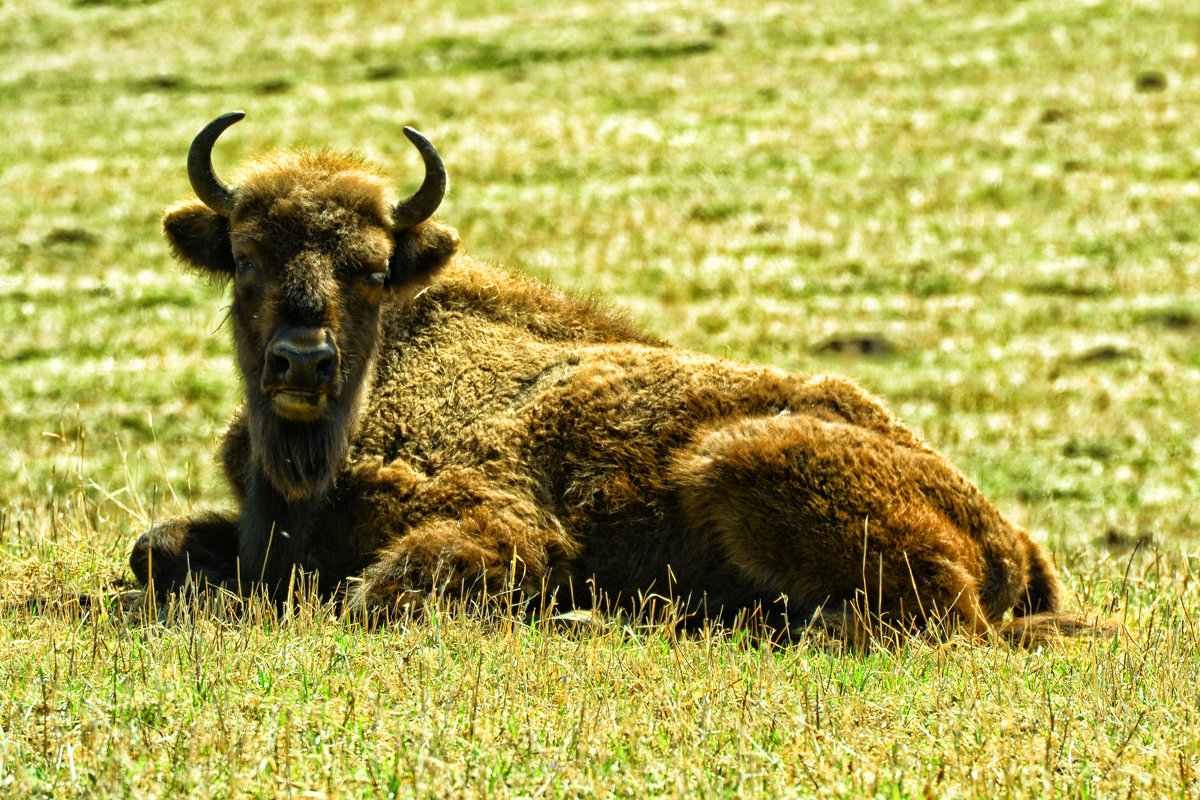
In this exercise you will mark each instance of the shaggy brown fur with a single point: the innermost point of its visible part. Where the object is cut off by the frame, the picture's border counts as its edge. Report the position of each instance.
(488, 432)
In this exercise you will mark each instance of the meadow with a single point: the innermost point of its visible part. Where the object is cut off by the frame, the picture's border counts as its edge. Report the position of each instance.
(986, 213)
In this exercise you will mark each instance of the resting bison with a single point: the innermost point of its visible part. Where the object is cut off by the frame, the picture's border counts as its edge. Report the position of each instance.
(416, 420)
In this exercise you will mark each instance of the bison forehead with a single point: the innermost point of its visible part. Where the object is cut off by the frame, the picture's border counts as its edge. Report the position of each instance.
(314, 197)
(315, 213)
(310, 230)
(330, 241)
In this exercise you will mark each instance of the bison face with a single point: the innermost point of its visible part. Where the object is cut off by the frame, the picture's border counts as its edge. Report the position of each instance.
(313, 243)
(306, 316)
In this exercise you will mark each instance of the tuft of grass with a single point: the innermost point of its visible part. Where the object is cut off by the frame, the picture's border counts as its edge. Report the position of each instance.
(1003, 195)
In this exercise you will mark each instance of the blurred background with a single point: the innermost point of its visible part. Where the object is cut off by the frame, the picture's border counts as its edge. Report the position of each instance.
(986, 213)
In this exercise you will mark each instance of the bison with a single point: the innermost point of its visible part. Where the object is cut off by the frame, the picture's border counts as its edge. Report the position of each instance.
(417, 421)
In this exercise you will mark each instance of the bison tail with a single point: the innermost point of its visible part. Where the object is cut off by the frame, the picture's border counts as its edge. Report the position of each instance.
(1053, 627)
(1038, 618)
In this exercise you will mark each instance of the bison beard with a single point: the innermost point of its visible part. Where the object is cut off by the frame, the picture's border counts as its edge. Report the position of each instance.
(299, 458)
(494, 434)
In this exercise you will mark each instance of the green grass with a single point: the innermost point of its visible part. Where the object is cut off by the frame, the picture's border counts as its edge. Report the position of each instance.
(1006, 194)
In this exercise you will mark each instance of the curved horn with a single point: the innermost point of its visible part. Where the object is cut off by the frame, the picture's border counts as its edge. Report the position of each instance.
(424, 201)
(211, 190)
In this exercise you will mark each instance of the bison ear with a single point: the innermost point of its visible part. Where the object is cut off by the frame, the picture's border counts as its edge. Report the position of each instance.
(421, 251)
(199, 237)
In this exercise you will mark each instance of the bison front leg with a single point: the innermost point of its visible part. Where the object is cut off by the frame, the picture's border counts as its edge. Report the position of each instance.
(486, 555)
(457, 535)
(202, 548)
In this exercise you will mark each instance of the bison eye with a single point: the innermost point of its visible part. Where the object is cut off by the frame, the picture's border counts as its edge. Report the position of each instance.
(375, 279)
(245, 266)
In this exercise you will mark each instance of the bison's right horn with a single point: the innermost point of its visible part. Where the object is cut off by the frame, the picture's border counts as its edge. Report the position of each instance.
(211, 190)
(424, 201)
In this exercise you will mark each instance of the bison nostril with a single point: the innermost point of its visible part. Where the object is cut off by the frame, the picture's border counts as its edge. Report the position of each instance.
(326, 369)
(278, 366)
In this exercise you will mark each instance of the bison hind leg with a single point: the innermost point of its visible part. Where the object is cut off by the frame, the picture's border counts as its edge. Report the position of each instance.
(829, 514)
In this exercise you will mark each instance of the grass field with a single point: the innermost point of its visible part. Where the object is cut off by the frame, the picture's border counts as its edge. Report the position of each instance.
(998, 201)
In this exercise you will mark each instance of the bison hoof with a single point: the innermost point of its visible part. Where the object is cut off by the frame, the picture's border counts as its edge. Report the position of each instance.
(373, 603)
(156, 553)
(174, 551)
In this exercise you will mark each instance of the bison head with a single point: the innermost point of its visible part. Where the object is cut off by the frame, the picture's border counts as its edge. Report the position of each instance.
(314, 243)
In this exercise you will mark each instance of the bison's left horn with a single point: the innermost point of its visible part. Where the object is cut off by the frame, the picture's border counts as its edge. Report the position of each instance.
(211, 190)
(424, 201)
